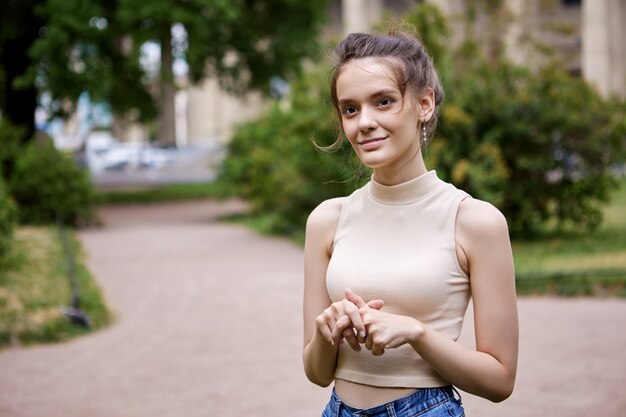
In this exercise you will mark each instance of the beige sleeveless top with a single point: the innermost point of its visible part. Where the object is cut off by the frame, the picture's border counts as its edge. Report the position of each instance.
(397, 243)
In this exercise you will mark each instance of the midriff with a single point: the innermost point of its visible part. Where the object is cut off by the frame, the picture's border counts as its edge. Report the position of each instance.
(367, 396)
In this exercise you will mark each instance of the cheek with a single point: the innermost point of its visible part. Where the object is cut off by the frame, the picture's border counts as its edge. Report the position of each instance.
(349, 129)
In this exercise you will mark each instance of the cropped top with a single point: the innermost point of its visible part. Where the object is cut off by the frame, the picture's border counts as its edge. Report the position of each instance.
(397, 243)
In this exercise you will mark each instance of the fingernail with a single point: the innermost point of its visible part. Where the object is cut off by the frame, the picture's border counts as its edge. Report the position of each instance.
(332, 343)
(362, 334)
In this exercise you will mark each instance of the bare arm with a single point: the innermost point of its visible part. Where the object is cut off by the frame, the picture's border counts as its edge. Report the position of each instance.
(489, 371)
(319, 356)
(482, 234)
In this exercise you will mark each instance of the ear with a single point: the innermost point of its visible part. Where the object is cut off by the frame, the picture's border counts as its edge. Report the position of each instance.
(426, 103)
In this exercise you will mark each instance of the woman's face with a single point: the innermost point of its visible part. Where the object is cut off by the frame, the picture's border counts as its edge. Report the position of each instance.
(381, 125)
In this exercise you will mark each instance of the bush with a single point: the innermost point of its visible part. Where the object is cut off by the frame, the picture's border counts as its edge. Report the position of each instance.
(274, 164)
(10, 137)
(8, 218)
(48, 185)
(540, 145)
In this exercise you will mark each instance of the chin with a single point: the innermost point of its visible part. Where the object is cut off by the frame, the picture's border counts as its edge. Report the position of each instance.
(372, 163)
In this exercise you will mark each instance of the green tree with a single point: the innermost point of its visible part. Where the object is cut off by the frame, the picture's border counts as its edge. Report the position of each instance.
(93, 46)
(243, 43)
(539, 144)
(82, 49)
(275, 164)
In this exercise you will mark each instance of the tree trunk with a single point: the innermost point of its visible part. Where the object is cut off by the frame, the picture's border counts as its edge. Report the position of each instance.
(167, 118)
(19, 104)
(119, 123)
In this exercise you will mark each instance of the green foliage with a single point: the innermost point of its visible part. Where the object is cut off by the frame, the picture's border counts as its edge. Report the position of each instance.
(82, 49)
(47, 185)
(94, 46)
(8, 219)
(10, 137)
(275, 164)
(243, 43)
(169, 192)
(539, 145)
(577, 260)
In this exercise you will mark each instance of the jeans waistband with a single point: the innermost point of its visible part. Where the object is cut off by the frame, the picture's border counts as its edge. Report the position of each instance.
(417, 402)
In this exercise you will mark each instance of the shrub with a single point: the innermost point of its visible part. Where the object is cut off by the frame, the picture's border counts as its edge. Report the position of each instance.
(274, 164)
(539, 144)
(47, 185)
(8, 218)
(10, 137)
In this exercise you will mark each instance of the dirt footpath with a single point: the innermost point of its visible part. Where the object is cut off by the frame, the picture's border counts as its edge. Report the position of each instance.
(208, 323)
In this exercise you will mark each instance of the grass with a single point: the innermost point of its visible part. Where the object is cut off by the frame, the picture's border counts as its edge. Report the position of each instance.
(34, 285)
(170, 192)
(578, 263)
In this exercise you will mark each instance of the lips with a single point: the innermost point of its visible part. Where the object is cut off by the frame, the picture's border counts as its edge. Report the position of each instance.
(373, 140)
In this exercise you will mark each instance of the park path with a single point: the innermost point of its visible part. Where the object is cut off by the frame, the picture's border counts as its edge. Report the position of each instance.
(208, 323)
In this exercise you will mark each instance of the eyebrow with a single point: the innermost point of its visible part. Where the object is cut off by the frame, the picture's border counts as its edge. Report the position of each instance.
(379, 93)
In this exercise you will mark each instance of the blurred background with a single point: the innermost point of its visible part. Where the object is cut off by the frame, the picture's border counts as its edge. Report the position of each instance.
(122, 114)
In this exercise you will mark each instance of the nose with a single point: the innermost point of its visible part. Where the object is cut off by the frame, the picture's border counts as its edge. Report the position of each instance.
(367, 121)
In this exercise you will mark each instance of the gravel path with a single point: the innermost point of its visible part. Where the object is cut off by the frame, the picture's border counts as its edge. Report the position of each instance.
(208, 323)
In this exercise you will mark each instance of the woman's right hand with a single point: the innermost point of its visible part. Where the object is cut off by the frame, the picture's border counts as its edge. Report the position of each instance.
(342, 320)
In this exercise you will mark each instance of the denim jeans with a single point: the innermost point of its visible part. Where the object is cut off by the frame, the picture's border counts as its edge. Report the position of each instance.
(425, 402)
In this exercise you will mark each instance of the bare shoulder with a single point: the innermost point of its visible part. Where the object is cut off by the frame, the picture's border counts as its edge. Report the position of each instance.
(482, 235)
(325, 215)
(478, 219)
(321, 226)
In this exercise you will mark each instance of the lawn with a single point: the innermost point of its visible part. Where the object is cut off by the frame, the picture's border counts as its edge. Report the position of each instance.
(170, 192)
(578, 263)
(34, 285)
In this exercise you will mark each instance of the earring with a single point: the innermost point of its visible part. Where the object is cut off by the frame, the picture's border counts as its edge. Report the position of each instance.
(424, 134)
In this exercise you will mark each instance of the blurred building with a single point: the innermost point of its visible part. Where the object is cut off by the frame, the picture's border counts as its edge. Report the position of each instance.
(604, 45)
(589, 37)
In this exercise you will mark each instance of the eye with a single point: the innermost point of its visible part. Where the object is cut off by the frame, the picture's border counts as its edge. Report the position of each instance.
(349, 111)
(385, 102)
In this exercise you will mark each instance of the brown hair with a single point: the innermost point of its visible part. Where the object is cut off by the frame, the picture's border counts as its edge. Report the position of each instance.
(409, 61)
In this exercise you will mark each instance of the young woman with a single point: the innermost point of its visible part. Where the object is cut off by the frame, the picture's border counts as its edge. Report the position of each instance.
(389, 270)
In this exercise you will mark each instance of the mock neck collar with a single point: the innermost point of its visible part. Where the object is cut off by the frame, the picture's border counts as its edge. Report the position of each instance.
(409, 192)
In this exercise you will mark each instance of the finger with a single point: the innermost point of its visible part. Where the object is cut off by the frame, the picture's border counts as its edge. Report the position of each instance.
(340, 325)
(351, 310)
(378, 351)
(350, 337)
(324, 329)
(376, 304)
(378, 348)
(354, 298)
(355, 318)
(368, 343)
(343, 330)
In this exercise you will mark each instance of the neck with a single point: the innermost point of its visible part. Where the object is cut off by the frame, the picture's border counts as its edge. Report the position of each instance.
(393, 175)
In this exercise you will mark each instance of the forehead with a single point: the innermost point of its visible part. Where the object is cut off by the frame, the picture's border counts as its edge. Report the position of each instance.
(362, 76)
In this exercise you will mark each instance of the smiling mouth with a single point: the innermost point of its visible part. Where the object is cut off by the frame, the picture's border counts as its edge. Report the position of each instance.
(365, 142)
